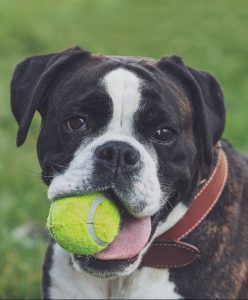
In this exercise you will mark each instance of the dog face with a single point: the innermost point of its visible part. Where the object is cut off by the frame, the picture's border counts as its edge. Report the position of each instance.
(139, 130)
(102, 124)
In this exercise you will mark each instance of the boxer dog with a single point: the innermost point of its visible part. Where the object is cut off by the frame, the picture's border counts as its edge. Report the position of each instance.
(144, 133)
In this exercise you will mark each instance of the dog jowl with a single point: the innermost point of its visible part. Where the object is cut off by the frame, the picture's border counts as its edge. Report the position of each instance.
(141, 131)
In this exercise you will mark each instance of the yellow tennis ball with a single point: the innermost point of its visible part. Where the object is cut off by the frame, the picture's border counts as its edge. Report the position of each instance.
(84, 224)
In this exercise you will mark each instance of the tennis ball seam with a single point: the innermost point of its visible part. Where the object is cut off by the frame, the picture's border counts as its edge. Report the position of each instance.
(90, 222)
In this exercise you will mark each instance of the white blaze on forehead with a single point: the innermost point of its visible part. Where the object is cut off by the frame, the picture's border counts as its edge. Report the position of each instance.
(123, 87)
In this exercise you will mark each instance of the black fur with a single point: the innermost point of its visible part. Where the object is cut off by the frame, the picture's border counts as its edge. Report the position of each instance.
(48, 261)
(32, 80)
(207, 100)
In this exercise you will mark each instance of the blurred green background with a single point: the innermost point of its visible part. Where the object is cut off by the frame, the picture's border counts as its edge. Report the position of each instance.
(209, 35)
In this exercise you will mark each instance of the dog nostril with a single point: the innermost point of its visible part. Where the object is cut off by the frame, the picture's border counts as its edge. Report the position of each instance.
(117, 155)
(131, 157)
(105, 154)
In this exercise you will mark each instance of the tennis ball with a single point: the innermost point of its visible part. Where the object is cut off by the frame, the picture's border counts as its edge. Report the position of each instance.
(84, 224)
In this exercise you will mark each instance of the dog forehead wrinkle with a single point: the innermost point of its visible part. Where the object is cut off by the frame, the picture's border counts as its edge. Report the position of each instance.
(123, 87)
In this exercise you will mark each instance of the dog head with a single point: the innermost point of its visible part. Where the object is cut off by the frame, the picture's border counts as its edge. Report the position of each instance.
(141, 131)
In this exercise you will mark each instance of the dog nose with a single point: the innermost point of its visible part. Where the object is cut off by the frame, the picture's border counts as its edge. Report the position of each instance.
(114, 155)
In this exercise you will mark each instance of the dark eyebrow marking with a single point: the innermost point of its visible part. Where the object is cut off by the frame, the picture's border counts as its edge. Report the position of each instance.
(150, 94)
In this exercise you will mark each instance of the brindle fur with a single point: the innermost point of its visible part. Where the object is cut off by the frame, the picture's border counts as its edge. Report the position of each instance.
(222, 270)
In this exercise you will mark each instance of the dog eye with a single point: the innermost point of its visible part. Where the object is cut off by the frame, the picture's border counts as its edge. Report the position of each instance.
(75, 124)
(164, 135)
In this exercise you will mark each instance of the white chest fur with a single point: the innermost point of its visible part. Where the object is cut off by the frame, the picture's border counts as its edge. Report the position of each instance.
(67, 283)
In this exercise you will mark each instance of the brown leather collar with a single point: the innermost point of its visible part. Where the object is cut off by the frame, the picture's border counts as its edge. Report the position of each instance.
(168, 250)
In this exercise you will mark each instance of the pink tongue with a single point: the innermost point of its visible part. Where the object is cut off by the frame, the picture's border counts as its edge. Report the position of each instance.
(131, 240)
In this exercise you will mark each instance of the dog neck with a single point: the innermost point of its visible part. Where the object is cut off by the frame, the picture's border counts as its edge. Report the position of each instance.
(168, 250)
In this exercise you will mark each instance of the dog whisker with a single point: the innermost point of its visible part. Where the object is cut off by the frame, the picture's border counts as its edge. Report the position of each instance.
(168, 201)
(57, 165)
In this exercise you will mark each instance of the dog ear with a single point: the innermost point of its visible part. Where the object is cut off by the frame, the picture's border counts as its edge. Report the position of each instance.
(207, 102)
(31, 82)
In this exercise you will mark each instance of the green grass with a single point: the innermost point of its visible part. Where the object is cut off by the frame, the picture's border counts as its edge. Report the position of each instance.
(209, 35)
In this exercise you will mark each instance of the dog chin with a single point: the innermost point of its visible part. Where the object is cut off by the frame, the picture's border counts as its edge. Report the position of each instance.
(105, 269)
